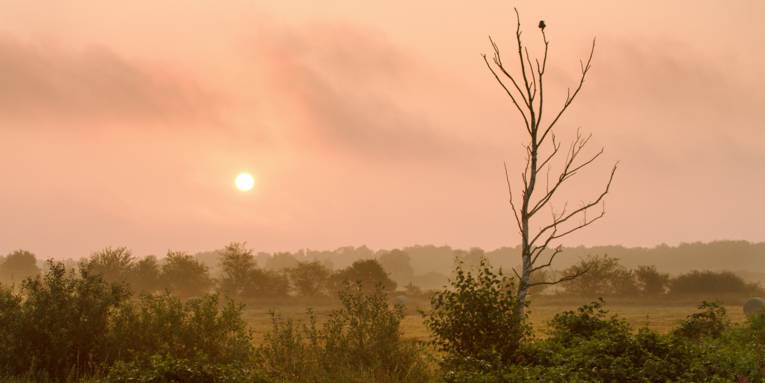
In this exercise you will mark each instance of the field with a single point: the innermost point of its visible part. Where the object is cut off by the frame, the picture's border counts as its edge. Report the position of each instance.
(661, 317)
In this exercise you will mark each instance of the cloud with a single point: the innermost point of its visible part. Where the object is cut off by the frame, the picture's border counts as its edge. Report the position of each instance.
(348, 88)
(40, 82)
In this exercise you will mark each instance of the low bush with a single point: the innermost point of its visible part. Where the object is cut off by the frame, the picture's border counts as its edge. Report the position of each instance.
(360, 342)
(66, 325)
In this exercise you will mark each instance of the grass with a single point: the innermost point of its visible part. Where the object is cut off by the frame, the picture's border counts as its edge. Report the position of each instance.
(659, 316)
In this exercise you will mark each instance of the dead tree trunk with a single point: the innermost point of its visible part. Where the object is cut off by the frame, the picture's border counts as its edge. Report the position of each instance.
(540, 240)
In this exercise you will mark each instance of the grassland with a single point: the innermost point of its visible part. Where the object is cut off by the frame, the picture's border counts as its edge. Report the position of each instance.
(659, 316)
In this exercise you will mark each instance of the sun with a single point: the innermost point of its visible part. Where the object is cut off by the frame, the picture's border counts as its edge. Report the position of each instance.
(244, 182)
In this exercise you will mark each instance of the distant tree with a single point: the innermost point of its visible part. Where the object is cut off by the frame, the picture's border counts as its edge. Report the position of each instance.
(604, 277)
(398, 264)
(144, 276)
(112, 264)
(650, 281)
(540, 238)
(369, 274)
(184, 275)
(712, 284)
(309, 279)
(267, 284)
(281, 261)
(469, 260)
(237, 265)
(17, 266)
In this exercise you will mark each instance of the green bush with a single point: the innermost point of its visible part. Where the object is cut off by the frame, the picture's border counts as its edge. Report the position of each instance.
(167, 369)
(66, 325)
(361, 342)
(473, 321)
(198, 329)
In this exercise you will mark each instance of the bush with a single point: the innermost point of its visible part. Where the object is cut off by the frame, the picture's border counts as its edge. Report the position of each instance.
(473, 322)
(67, 325)
(167, 369)
(198, 329)
(710, 321)
(359, 342)
(712, 284)
(600, 277)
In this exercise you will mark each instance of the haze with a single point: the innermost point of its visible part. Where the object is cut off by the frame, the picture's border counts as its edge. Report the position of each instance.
(125, 123)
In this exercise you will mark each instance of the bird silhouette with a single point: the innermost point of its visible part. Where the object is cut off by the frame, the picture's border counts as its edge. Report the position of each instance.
(542, 24)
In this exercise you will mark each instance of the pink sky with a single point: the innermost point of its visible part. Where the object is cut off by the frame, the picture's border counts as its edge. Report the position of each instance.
(125, 123)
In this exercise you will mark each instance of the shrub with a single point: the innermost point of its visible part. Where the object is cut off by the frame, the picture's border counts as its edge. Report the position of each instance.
(63, 319)
(198, 329)
(710, 321)
(473, 321)
(712, 284)
(368, 274)
(359, 342)
(601, 276)
(67, 325)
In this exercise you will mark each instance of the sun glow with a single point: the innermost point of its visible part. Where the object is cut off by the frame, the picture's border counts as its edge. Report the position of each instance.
(244, 182)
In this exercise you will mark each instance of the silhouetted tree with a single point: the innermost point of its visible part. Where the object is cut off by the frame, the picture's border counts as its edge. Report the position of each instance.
(237, 264)
(281, 261)
(368, 273)
(526, 90)
(600, 276)
(712, 284)
(17, 266)
(309, 279)
(112, 264)
(651, 281)
(398, 264)
(267, 284)
(144, 276)
(184, 275)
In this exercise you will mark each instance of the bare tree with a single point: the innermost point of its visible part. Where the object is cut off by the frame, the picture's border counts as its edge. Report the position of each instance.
(540, 238)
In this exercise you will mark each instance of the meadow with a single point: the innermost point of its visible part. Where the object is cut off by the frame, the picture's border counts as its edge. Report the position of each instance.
(660, 316)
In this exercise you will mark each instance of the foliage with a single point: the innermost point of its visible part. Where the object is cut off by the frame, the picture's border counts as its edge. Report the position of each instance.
(473, 321)
(368, 274)
(588, 345)
(398, 265)
(184, 275)
(359, 342)
(162, 369)
(61, 323)
(198, 329)
(65, 325)
(712, 284)
(650, 281)
(17, 266)
(145, 276)
(237, 264)
(600, 276)
(710, 321)
(112, 264)
(309, 279)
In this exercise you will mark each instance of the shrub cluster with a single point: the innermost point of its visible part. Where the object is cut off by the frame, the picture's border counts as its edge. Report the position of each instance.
(68, 325)
(586, 345)
(360, 342)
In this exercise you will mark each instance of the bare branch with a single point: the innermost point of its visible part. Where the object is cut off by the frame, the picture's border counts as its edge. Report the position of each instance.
(509, 93)
(570, 97)
(512, 204)
(561, 280)
(575, 212)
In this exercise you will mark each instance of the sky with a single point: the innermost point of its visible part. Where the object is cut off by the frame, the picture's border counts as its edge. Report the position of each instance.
(365, 123)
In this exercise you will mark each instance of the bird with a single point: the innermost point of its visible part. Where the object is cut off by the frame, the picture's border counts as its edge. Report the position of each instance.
(542, 25)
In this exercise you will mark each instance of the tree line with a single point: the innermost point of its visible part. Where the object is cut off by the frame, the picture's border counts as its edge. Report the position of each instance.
(238, 274)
